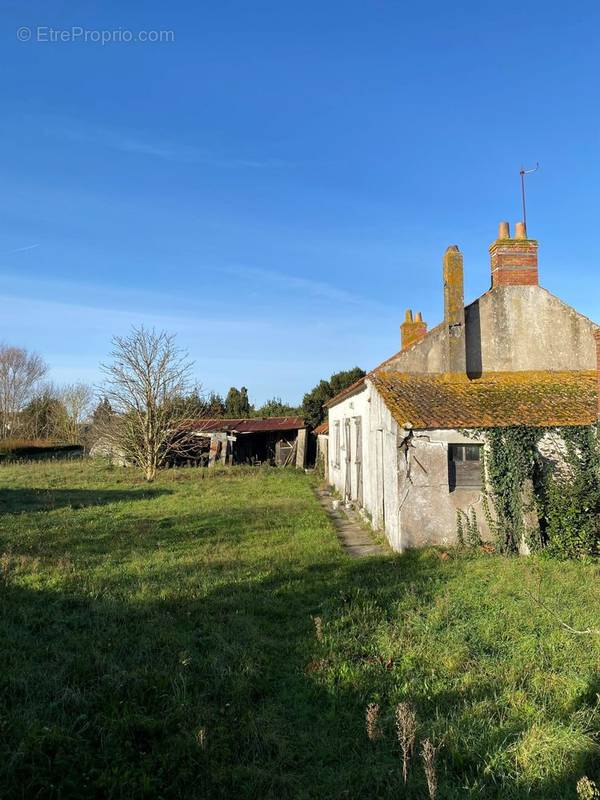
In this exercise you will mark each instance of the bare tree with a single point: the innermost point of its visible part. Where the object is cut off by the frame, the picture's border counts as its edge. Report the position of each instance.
(147, 383)
(77, 399)
(20, 371)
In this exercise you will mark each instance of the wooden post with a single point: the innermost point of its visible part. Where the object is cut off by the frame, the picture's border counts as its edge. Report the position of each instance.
(301, 448)
(224, 446)
(214, 449)
(323, 442)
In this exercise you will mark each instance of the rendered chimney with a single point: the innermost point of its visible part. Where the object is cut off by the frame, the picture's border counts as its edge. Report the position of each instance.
(412, 330)
(454, 310)
(514, 261)
(597, 335)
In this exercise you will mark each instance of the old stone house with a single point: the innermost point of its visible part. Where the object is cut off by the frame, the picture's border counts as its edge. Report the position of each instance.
(405, 441)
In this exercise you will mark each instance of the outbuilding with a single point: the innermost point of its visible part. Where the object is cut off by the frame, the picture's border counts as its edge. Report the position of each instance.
(280, 441)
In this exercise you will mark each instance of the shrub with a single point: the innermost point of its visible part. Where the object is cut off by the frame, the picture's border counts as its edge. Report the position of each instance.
(571, 502)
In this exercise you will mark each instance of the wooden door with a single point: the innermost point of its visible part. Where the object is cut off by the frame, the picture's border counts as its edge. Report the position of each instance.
(380, 473)
(358, 460)
(348, 460)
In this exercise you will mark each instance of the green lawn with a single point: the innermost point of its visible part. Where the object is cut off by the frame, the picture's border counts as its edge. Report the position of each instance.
(158, 642)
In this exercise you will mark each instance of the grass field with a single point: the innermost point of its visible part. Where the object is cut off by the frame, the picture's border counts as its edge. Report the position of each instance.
(158, 642)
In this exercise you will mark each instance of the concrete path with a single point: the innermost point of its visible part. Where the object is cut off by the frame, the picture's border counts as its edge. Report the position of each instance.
(350, 528)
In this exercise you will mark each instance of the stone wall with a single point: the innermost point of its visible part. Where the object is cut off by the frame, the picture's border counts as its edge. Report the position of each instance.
(510, 328)
(514, 328)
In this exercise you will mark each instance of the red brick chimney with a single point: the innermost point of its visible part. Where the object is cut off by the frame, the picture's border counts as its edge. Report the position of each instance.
(514, 261)
(597, 336)
(412, 330)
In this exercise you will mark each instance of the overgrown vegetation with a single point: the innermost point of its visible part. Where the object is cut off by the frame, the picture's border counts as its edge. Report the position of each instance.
(571, 505)
(510, 465)
(546, 503)
(205, 637)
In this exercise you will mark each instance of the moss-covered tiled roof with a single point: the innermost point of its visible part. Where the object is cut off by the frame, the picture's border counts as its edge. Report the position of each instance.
(355, 387)
(496, 399)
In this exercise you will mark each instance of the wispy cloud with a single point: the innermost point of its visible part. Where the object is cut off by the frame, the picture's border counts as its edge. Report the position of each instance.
(226, 349)
(23, 249)
(227, 346)
(309, 285)
(137, 143)
(51, 325)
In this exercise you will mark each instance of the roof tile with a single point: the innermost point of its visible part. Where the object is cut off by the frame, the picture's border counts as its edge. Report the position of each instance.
(496, 399)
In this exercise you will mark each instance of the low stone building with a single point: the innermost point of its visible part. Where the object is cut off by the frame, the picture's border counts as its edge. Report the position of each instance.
(103, 448)
(405, 442)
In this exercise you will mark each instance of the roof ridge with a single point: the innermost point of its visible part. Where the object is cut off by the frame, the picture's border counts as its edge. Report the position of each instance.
(346, 392)
(465, 377)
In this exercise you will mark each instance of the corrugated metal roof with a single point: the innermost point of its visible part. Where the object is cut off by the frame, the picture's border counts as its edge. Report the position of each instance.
(496, 399)
(258, 425)
(322, 428)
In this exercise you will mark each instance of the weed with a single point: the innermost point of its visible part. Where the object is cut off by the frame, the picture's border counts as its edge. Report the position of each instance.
(201, 738)
(587, 789)
(318, 623)
(406, 731)
(372, 722)
(428, 754)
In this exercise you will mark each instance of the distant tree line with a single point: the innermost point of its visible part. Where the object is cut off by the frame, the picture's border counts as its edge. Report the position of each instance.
(237, 404)
(31, 408)
(147, 394)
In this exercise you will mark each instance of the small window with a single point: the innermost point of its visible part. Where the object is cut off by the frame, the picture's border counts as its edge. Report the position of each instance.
(336, 444)
(464, 466)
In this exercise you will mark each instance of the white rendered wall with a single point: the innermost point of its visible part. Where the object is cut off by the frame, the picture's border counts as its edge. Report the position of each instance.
(379, 458)
(428, 509)
(406, 487)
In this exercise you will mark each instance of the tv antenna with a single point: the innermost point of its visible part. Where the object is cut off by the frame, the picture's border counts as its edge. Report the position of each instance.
(522, 173)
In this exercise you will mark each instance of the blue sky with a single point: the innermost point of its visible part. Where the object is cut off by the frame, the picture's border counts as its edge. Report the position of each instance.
(278, 184)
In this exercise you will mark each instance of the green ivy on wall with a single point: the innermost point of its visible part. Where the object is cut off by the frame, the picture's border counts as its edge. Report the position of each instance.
(535, 503)
(510, 466)
(570, 506)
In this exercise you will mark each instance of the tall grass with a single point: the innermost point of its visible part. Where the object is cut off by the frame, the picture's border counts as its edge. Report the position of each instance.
(208, 639)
